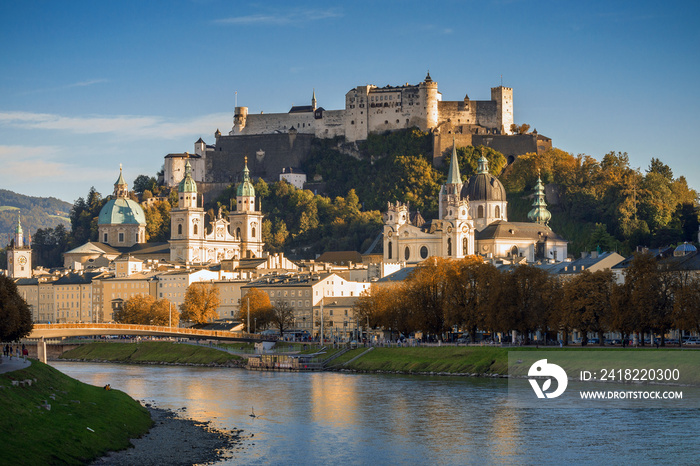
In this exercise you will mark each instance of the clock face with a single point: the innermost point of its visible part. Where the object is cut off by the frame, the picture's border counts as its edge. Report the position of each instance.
(22, 260)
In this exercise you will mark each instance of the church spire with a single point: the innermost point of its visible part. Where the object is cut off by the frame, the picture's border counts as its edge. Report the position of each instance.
(453, 175)
(483, 165)
(19, 234)
(121, 189)
(539, 213)
(313, 100)
(187, 185)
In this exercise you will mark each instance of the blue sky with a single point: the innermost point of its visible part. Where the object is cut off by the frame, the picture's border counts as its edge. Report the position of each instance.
(89, 85)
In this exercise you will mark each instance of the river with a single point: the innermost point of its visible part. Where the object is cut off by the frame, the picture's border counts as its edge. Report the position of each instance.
(323, 418)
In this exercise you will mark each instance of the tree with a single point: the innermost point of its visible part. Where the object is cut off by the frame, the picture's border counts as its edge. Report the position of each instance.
(587, 303)
(282, 317)
(143, 183)
(519, 129)
(15, 315)
(147, 310)
(427, 294)
(260, 309)
(201, 303)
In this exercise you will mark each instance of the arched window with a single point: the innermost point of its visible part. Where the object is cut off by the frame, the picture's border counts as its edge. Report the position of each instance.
(253, 233)
(449, 246)
(179, 228)
(514, 251)
(390, 249)
(465, 246)
(407, 253)
(498, 212)
(480, 212)
(238, 233)
(195, 229)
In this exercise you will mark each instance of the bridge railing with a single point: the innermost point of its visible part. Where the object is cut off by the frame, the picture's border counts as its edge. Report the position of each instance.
(125, 328)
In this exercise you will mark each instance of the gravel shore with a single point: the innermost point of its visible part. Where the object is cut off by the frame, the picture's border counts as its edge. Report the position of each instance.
(175, 441)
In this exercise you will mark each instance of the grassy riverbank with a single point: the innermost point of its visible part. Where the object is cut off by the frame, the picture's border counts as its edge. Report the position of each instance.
(152, 352)
(489, 361)
(83, 421)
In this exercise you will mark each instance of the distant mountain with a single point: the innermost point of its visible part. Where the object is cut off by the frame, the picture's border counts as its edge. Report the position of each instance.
(37, 212)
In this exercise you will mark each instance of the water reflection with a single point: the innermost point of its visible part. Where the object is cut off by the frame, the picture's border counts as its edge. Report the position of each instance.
(359, 419)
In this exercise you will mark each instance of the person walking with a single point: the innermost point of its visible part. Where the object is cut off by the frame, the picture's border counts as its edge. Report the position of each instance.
(25, 352)
(10, 350)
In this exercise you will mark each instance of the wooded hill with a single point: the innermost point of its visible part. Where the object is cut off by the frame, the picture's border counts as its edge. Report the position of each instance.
(37, 212)
(604, 204)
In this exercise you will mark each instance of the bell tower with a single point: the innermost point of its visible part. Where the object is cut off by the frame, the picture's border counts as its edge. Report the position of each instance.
(187, 229)
(19, 256)
(246, 221)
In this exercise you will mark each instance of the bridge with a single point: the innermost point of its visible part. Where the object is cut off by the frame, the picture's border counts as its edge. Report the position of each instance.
(91, 329)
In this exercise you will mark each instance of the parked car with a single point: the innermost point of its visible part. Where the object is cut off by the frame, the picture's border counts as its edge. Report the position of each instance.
(692, 341)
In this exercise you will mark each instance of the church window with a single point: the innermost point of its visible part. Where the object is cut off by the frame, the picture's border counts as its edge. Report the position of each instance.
(423, 252)
(179, 229)
(498, 212)
(238, 233)
(121, 237)
(514, 251)
(480, 212)
(464, 246)
(449, 246)
(253, 233)
(104, 238)
(195, 229)
(407, 253)
(390, 249)
(137, 237)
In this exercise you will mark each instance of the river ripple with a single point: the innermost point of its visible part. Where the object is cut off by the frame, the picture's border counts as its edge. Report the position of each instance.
(323, 418)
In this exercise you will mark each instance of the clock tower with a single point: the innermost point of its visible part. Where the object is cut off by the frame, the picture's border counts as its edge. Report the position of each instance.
(19, 256)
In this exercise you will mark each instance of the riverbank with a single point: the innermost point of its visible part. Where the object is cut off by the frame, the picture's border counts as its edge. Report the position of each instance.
(175, 441)
(50, 418)
(153, 352)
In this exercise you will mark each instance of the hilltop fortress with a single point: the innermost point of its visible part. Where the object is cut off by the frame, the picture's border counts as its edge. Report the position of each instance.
(276, 141)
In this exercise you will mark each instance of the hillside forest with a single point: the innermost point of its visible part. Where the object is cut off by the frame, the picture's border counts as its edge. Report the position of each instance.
(596, 204)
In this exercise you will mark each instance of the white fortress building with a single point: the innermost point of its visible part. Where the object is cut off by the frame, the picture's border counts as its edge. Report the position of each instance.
(371, 109)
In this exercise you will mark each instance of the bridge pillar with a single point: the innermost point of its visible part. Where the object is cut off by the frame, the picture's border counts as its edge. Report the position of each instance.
(41, 350)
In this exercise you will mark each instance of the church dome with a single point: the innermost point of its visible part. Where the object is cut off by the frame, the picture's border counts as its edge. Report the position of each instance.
(246, 189)
(121, 212)
(484, 186)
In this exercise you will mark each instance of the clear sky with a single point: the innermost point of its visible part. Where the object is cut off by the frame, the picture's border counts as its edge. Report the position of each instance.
(87, 85)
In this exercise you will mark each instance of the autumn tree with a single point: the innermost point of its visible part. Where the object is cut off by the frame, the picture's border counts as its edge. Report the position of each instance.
(282, 317)
(427, 294)
(201, 303)
(147, 310)
(526, 300)
(260, 309)
(587, 303)
(686, 306)
(471, 292)
(15, 315)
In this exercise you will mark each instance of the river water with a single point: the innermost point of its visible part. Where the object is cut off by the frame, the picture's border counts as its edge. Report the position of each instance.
(324, 418)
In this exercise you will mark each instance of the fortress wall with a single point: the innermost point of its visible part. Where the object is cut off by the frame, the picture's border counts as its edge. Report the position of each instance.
(274, 122)
(332, 124)
(456, 112)
(225, 164)
(442, 145)
(487, 114)
(509, 145)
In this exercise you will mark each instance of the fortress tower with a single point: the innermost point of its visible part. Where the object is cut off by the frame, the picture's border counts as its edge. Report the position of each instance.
(503, 96)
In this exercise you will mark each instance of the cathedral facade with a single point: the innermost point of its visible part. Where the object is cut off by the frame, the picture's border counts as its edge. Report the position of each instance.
(472, 219)
(236, 237)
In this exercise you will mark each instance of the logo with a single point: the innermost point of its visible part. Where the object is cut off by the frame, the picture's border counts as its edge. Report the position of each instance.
(542, 368)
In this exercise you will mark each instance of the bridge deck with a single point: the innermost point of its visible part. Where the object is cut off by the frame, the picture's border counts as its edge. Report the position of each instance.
(75, 330)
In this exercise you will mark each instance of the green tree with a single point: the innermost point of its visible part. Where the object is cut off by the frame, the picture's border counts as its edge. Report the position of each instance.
(200, 304)
(15, 315)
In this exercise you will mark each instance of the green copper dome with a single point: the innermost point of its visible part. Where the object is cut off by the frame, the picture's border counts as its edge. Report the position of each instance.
(121, 212)
(246, 189)
(187, 185)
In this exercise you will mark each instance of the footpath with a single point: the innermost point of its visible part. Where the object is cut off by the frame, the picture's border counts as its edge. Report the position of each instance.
(14, 364)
